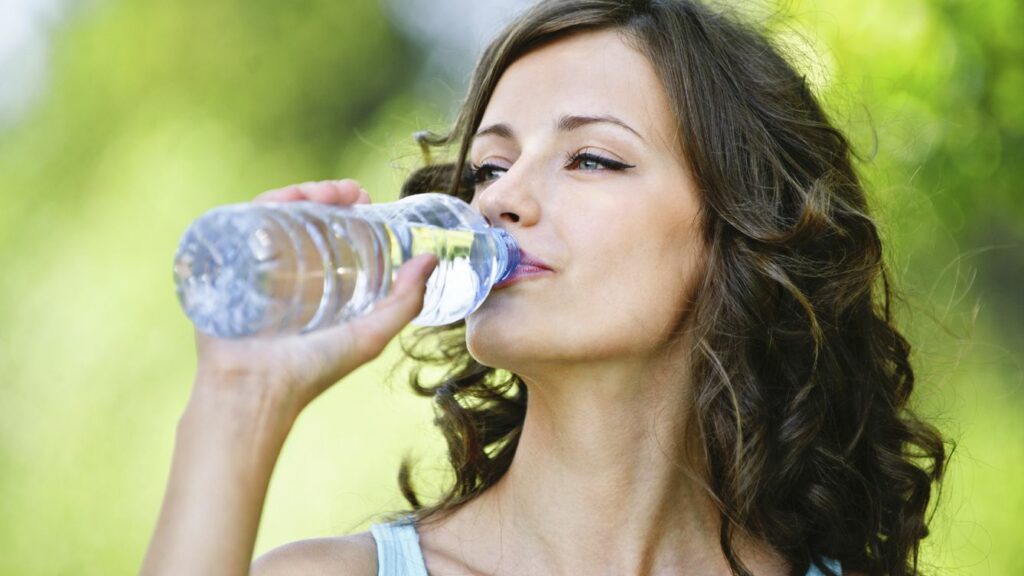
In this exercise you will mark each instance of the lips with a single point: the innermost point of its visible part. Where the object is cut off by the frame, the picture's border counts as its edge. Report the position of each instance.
(529, 266)
(526, 259)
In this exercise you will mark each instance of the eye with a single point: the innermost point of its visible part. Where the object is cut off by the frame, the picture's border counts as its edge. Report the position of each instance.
(589, 162)
(486, 172)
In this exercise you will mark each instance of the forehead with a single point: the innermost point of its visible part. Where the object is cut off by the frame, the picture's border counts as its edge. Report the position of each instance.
(597, 73)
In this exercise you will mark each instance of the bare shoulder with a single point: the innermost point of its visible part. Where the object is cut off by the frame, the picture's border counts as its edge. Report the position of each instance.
(354, 555)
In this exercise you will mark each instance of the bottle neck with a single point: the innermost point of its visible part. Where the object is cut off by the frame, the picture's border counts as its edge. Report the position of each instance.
(508, 253)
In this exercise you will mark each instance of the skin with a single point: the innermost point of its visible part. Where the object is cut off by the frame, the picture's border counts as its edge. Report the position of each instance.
(596, 486)
(623, 242)
(245, 399)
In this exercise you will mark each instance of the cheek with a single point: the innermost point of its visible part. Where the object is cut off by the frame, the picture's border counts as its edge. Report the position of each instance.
(642, 308)
(624, 294)
(637, 291)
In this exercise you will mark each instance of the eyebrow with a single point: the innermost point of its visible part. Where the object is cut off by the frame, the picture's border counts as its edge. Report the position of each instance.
(566, 123)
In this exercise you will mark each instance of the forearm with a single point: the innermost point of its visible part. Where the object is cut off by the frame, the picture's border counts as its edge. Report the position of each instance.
(224, 454)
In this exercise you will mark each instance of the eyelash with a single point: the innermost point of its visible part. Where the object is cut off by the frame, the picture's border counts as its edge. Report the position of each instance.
(573, 161)
(484, 172)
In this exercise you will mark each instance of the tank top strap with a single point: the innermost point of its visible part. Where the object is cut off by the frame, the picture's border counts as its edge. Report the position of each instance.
(832, 565)
(399, 553)
(398, 549)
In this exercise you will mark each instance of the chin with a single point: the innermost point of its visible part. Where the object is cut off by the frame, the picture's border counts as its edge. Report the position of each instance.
(486, 348)
(498, 344)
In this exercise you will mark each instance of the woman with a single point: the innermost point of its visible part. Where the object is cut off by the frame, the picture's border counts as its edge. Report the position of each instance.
(697, 375)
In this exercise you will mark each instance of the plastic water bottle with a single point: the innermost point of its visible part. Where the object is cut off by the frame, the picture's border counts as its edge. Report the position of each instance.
(274, 268)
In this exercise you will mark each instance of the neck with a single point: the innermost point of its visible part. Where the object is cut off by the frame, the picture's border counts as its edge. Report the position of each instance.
(596, 485)
(599, 484)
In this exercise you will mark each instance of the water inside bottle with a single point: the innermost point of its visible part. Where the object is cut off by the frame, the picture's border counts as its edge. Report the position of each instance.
(266, 272)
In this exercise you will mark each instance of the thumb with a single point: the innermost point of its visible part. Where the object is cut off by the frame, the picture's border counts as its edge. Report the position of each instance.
(405, 301)
(362, 339)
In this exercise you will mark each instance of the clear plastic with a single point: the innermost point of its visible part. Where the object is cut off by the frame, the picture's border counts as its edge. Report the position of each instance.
(276, 268)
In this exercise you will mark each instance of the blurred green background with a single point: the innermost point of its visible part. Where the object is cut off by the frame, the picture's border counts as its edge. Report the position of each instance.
(122, 121)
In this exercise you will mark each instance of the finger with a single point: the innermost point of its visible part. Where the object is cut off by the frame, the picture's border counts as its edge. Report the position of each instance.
(337, 192)
(364, 197)
(287, 194)
(392, 313)
(362, 339)
(410, 282)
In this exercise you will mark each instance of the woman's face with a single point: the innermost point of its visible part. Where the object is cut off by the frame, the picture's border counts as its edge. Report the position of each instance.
(577, 156)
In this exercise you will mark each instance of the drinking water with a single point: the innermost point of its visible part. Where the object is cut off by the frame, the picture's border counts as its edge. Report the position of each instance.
(262, 269)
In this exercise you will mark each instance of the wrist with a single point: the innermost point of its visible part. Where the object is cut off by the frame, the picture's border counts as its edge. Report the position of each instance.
(248, 407)
(226, 447)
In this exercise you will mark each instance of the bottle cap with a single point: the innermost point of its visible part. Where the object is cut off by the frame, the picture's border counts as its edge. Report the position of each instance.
(508, 244)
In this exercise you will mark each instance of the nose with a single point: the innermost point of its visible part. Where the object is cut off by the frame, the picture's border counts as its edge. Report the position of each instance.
(508, 201)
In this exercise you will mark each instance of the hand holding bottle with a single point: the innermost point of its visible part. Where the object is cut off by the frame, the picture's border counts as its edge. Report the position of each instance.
(288, 267)
(301, 366)
(245, 398)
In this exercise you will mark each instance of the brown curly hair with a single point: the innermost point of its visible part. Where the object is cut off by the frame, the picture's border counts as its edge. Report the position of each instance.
(801, 416)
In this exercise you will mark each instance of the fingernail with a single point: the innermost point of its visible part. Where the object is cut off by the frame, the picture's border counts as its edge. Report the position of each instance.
(428, 266)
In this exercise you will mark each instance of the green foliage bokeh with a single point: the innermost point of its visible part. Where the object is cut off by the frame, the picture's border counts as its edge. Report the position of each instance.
(155, 112)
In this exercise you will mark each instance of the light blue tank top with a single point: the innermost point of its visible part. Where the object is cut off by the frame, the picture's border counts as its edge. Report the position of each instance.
(399, 554)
